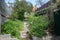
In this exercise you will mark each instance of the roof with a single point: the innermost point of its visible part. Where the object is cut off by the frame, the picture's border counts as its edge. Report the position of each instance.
(44, 5)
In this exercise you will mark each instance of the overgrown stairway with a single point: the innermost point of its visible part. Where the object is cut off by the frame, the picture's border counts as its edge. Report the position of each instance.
(23, 33)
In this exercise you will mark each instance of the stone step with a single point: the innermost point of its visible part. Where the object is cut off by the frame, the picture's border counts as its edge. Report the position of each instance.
(7, 37)
(13, 38)
(23, 34)
(23, 37)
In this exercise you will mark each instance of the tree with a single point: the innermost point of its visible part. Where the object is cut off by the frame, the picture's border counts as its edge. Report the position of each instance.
(20, 7)
(38, 27)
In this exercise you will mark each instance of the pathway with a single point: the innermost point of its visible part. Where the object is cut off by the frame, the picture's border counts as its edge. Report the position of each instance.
(24, 32)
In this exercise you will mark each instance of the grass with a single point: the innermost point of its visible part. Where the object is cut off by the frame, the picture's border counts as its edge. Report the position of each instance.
(13, 27)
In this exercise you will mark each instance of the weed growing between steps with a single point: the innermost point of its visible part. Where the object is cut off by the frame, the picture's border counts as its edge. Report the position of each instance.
(13, 28)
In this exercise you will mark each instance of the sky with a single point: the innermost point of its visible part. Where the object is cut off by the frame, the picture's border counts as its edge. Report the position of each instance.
(32, 1)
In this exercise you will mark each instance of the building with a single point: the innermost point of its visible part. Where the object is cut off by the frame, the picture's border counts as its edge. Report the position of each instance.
(4, 11)
(48, 4)
(55, 15)
(34, 8)
(45, 8)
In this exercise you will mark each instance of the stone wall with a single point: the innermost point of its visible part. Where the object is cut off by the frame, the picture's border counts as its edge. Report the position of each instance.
(47, 38)
(7, 37)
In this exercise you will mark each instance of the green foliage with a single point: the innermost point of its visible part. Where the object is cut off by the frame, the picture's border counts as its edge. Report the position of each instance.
(23, 5)
(30, 17)
(13, 28)
(19, 8)
(41, 12)
(39, 24)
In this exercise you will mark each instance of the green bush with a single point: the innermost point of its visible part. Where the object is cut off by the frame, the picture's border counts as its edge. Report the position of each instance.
(13, 28)
(39, 24)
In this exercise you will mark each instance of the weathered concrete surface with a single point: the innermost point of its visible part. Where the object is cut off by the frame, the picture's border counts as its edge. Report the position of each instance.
(23, 33)
(7, 37)
(47, 38)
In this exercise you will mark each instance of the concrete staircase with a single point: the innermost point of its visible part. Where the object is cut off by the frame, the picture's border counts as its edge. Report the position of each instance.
(23, 34)
(7, 37)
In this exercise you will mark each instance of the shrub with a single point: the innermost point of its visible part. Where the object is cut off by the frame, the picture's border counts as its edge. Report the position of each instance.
(12, 27)
(39, 24)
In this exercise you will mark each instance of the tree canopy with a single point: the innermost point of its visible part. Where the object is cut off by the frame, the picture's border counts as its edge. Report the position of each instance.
(23, 5)
(20, 7)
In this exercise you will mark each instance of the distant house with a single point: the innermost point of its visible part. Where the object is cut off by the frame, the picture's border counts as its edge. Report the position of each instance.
(46, 5)
(3, 11)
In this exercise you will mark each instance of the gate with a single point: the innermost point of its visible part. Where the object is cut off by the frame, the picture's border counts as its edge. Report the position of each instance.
(57, 22)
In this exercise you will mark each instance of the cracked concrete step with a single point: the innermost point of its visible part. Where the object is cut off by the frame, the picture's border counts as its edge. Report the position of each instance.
(13, 39)
(7, 37)
(23, 34)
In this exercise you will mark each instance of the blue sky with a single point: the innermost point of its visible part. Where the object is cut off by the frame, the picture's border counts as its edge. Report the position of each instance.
(32, 1)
